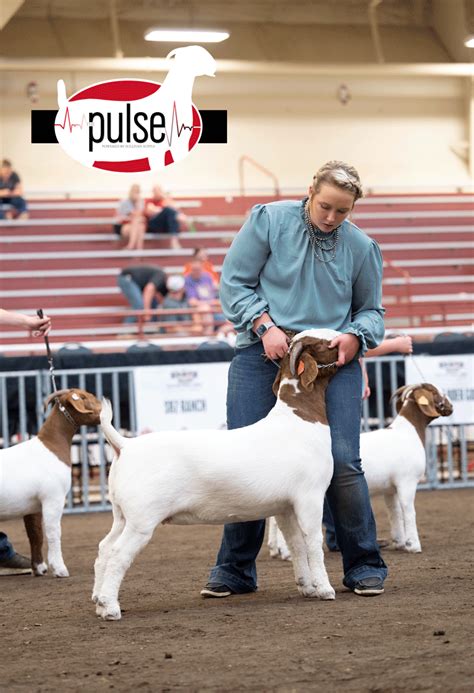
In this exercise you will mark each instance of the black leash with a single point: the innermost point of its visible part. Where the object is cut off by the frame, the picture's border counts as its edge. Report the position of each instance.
(40, 314)
(49, 354)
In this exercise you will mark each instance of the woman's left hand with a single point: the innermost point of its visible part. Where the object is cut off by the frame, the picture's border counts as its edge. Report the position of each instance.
(347, 345)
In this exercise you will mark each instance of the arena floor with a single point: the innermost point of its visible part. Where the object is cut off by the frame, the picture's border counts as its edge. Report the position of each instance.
(416, 637)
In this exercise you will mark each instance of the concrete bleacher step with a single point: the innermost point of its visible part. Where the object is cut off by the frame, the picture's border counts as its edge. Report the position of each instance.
(66, 256)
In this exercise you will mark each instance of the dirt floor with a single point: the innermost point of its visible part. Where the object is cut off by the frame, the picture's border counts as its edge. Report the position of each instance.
(416, 637)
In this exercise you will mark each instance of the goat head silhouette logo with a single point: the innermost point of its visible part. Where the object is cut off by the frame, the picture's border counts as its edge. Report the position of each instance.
(131, 125)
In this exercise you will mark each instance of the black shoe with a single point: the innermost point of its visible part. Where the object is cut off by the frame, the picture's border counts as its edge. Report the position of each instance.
(16, 565)
(215, 589)
(369, 587)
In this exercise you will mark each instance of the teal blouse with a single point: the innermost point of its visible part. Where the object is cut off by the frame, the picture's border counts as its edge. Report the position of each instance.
(270, 267)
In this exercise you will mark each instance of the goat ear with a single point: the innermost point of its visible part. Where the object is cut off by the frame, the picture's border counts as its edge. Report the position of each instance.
(78, 404)
(424, 401)
(276, 383)
(307, 371)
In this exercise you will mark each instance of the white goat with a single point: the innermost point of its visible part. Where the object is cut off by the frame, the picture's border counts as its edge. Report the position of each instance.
(393, 460)
(214, 477)
(35, 476)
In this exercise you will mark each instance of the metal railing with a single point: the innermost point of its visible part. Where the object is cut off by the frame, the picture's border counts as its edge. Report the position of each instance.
(449, 448)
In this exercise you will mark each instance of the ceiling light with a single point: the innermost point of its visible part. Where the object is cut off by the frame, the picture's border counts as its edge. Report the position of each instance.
(186, 35)
(469, 41)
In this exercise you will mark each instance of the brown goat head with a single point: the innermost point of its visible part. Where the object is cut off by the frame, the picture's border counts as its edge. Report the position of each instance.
(427, 397)
(83, 407)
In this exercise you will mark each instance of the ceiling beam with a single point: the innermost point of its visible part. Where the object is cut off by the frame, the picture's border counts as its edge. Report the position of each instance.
(146, 65)
(7, 9)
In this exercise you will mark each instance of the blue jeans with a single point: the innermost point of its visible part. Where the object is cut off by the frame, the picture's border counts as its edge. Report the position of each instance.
(6, 549)
(133, 294)
(18, 203)
(328, 522)
(249, 399)
(165, 221)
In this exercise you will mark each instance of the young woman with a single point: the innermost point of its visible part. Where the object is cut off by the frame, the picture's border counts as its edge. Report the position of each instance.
(297, 265)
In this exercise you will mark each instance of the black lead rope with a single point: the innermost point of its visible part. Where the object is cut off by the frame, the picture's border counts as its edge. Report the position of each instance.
(49, 354)
(40, 314)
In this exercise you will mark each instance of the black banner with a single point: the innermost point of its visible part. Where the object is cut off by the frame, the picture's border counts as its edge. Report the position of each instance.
(214, 127)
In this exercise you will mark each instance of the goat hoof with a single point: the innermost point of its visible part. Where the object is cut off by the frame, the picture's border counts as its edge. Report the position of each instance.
(112, 613)
(61, 572)
(40, 569)
(307, 591)
(413, 548)
(398, 546)
(326, 593)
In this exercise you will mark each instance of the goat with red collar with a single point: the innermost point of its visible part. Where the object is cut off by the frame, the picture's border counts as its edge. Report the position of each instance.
(36, 475)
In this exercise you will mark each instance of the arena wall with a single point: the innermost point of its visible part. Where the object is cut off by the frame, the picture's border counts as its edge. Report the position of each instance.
(399, 132)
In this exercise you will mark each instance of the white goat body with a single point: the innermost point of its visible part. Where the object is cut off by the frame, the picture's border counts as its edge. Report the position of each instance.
(217, 477)
(35, 477)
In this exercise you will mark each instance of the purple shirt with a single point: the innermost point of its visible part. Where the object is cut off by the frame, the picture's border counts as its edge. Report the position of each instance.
(202, 288)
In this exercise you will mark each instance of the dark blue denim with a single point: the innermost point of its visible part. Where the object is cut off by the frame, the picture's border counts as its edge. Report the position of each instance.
(132, 292)
(249, 399)
(165, 221)
(6, 549)
(18, 203)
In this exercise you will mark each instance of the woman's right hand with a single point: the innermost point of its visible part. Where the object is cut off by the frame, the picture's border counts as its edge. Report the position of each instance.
(275, 343)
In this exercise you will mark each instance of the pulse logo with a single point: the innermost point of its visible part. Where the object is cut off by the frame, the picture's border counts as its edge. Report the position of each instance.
(129, 125)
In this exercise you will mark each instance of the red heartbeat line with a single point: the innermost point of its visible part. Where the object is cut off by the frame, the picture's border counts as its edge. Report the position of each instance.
(71, 125)
(174, 123)
(179, 128)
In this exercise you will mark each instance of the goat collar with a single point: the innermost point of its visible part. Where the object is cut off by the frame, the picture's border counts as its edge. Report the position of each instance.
(65, 413)
(319, 365)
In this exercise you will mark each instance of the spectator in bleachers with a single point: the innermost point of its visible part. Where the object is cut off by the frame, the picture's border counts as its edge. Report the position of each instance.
(11, 562)
(175, 300)
(11, 193)
(163, 216)
(130, 223)
(202, 295)
(201, 254)
(144, 287)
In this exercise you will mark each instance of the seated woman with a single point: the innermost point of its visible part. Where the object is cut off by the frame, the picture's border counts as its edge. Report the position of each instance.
(163, 216)
(130, 223)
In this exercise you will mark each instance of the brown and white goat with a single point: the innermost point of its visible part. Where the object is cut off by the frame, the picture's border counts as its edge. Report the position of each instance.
(212, 477)
(35, 476)
(393, 460)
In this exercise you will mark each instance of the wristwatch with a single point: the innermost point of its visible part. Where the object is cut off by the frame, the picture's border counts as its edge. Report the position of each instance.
(263, 328)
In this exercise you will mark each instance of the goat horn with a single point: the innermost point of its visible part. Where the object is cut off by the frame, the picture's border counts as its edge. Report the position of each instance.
(53, 395)
(294, 356)
(403, 392)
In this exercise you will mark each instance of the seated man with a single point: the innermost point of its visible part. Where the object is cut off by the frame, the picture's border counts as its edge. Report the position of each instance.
(162, 216)
(144, 287)
(11, 192)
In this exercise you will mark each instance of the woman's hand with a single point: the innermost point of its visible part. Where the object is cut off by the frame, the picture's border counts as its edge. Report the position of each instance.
(275, 343)
(347, 347)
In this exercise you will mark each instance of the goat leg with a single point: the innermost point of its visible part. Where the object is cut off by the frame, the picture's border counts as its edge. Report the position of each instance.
(34, 529)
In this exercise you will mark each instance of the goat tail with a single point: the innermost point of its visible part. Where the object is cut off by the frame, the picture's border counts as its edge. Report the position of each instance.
(113, 437)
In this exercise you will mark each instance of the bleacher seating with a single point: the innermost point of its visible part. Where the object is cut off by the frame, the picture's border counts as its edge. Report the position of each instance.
(65, 259)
